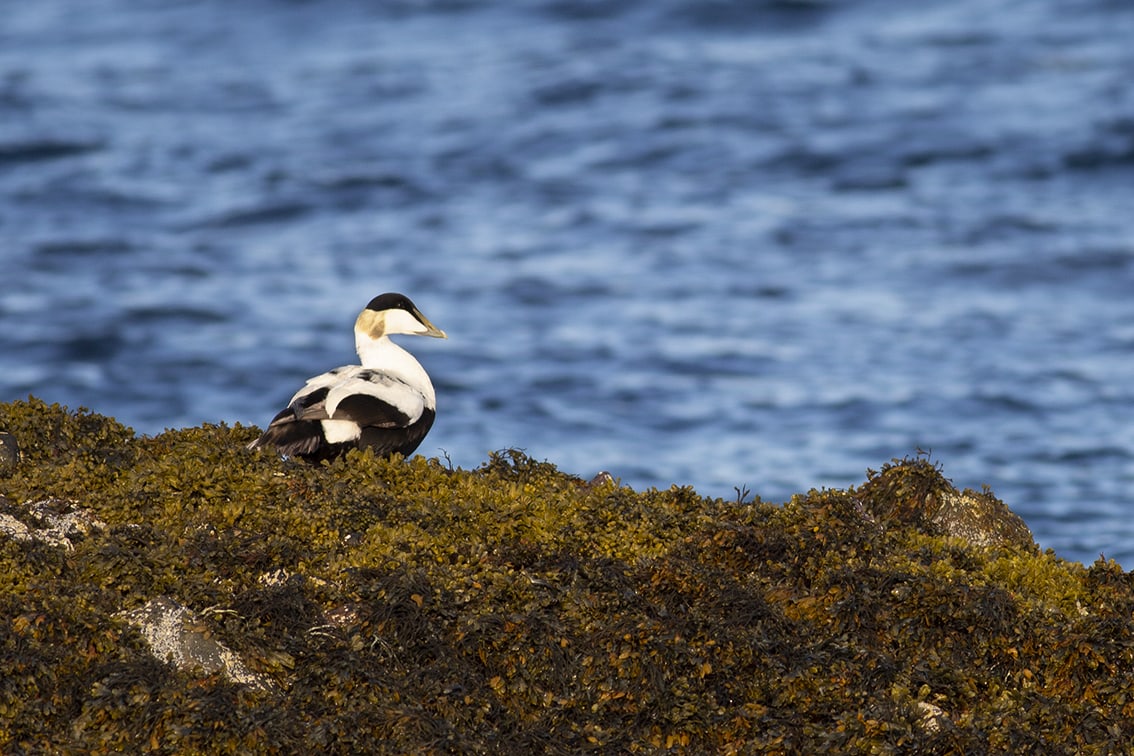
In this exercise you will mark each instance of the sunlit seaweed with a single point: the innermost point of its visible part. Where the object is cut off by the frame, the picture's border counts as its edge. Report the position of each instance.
(402, 606)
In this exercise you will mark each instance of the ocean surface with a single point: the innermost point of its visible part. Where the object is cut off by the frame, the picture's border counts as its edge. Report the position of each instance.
(736, 245)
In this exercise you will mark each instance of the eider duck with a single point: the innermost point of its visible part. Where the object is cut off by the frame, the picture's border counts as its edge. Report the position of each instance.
(387, 403)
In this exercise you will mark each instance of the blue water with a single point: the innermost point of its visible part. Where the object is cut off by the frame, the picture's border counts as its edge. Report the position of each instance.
(727, 244)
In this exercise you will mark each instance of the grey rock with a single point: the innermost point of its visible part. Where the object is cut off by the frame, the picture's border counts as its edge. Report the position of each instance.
(56, 522)
(175, 634)
(9, 453)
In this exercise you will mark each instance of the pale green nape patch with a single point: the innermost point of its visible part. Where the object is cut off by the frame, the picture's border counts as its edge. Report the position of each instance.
(371, 324)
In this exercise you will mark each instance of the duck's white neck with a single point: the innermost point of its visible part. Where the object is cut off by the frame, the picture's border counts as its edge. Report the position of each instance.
(383, 354)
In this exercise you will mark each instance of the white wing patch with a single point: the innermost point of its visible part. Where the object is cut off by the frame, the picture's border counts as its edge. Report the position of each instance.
(320, 397)
(382, 386)
(340, 431)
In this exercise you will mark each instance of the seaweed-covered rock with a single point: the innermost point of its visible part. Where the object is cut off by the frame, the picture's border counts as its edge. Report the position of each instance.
(913, 492)
(225, 601)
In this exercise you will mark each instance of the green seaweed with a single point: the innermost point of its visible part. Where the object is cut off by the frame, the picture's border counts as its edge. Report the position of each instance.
(402, 606)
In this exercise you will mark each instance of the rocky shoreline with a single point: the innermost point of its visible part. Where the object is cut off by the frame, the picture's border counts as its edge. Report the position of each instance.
(179, 594)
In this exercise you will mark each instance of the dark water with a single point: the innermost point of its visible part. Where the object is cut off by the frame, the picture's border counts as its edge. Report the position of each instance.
(726, 244)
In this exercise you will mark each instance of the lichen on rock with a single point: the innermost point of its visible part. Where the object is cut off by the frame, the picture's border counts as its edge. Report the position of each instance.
(52, 521)
(176, 634)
